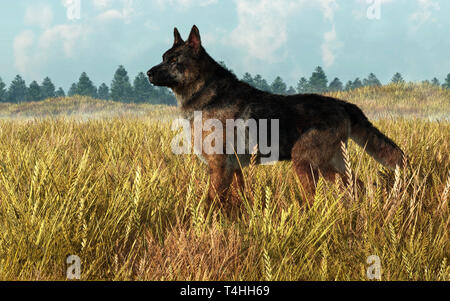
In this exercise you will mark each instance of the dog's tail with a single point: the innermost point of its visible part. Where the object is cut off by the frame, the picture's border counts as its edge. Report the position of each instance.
(375, 143)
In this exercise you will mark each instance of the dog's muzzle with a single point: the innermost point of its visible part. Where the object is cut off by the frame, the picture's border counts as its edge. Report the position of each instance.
(150, 74)
(159, 76)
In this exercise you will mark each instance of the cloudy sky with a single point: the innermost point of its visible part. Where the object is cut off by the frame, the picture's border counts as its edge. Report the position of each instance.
(349, 38)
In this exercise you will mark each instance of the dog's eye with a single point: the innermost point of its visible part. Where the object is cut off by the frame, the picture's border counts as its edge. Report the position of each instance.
(174, 60)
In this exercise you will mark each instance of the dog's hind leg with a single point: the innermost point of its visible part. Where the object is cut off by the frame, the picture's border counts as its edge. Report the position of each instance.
(313, 155)
(337, 163)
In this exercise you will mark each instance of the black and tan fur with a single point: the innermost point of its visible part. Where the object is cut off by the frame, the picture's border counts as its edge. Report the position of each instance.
(311, 126)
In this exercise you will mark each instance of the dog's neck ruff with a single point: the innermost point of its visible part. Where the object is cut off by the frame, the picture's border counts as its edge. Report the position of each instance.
(197, 98)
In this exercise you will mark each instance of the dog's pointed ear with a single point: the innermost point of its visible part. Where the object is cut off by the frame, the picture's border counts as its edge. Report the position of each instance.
(177, 37)
(194, 38)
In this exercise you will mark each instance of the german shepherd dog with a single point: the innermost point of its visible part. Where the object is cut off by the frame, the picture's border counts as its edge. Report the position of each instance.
(311, 127)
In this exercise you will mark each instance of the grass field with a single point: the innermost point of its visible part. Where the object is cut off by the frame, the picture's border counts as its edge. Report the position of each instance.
(99, 180)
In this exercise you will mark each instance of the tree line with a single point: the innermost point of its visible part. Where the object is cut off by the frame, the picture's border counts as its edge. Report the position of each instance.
(318, 83)
(142, 91)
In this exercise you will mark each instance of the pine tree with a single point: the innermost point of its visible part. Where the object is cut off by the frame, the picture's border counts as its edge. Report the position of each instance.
(278, 86)
(303, 86)
(162, 95)
(357, 83)
(47, 88)
(143, 90)
(73, 90)
(349, 85)
(60, 93)
(34, 92)
(248, 79)
(397, 79)
(435, 82)
(103, 92)
(17, 91)
(291, 91)
(3, 92)
(121, 89)
(447, 82)
(371, 80)
(335, 85)
(261, 83)
(85, 87)
(318, 81)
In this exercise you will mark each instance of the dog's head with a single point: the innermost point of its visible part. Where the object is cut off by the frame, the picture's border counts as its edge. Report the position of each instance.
(181, 65)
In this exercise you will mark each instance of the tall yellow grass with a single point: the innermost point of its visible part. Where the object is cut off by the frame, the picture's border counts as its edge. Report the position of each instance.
(111, 191)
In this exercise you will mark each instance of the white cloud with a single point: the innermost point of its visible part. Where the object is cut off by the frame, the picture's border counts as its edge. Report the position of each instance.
(21, 46)
(32, 50)
(41, 15)
(423, 14)
(128, 10)
(101, 4)
(183, 4)
(331, 43)
(125, 13)
(207, 2)
(28, 55)
(328, 7)
(110, 15)
(330, 46)
(262, 27)
(67, 35)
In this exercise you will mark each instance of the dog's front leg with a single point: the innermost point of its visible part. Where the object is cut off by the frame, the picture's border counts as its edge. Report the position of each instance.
(221, 177)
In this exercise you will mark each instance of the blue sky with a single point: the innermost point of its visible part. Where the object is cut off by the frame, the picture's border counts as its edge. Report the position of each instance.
(348, 38)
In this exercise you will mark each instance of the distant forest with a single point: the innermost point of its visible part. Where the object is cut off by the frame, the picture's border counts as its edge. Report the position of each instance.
(141, 91)
(121, 89)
